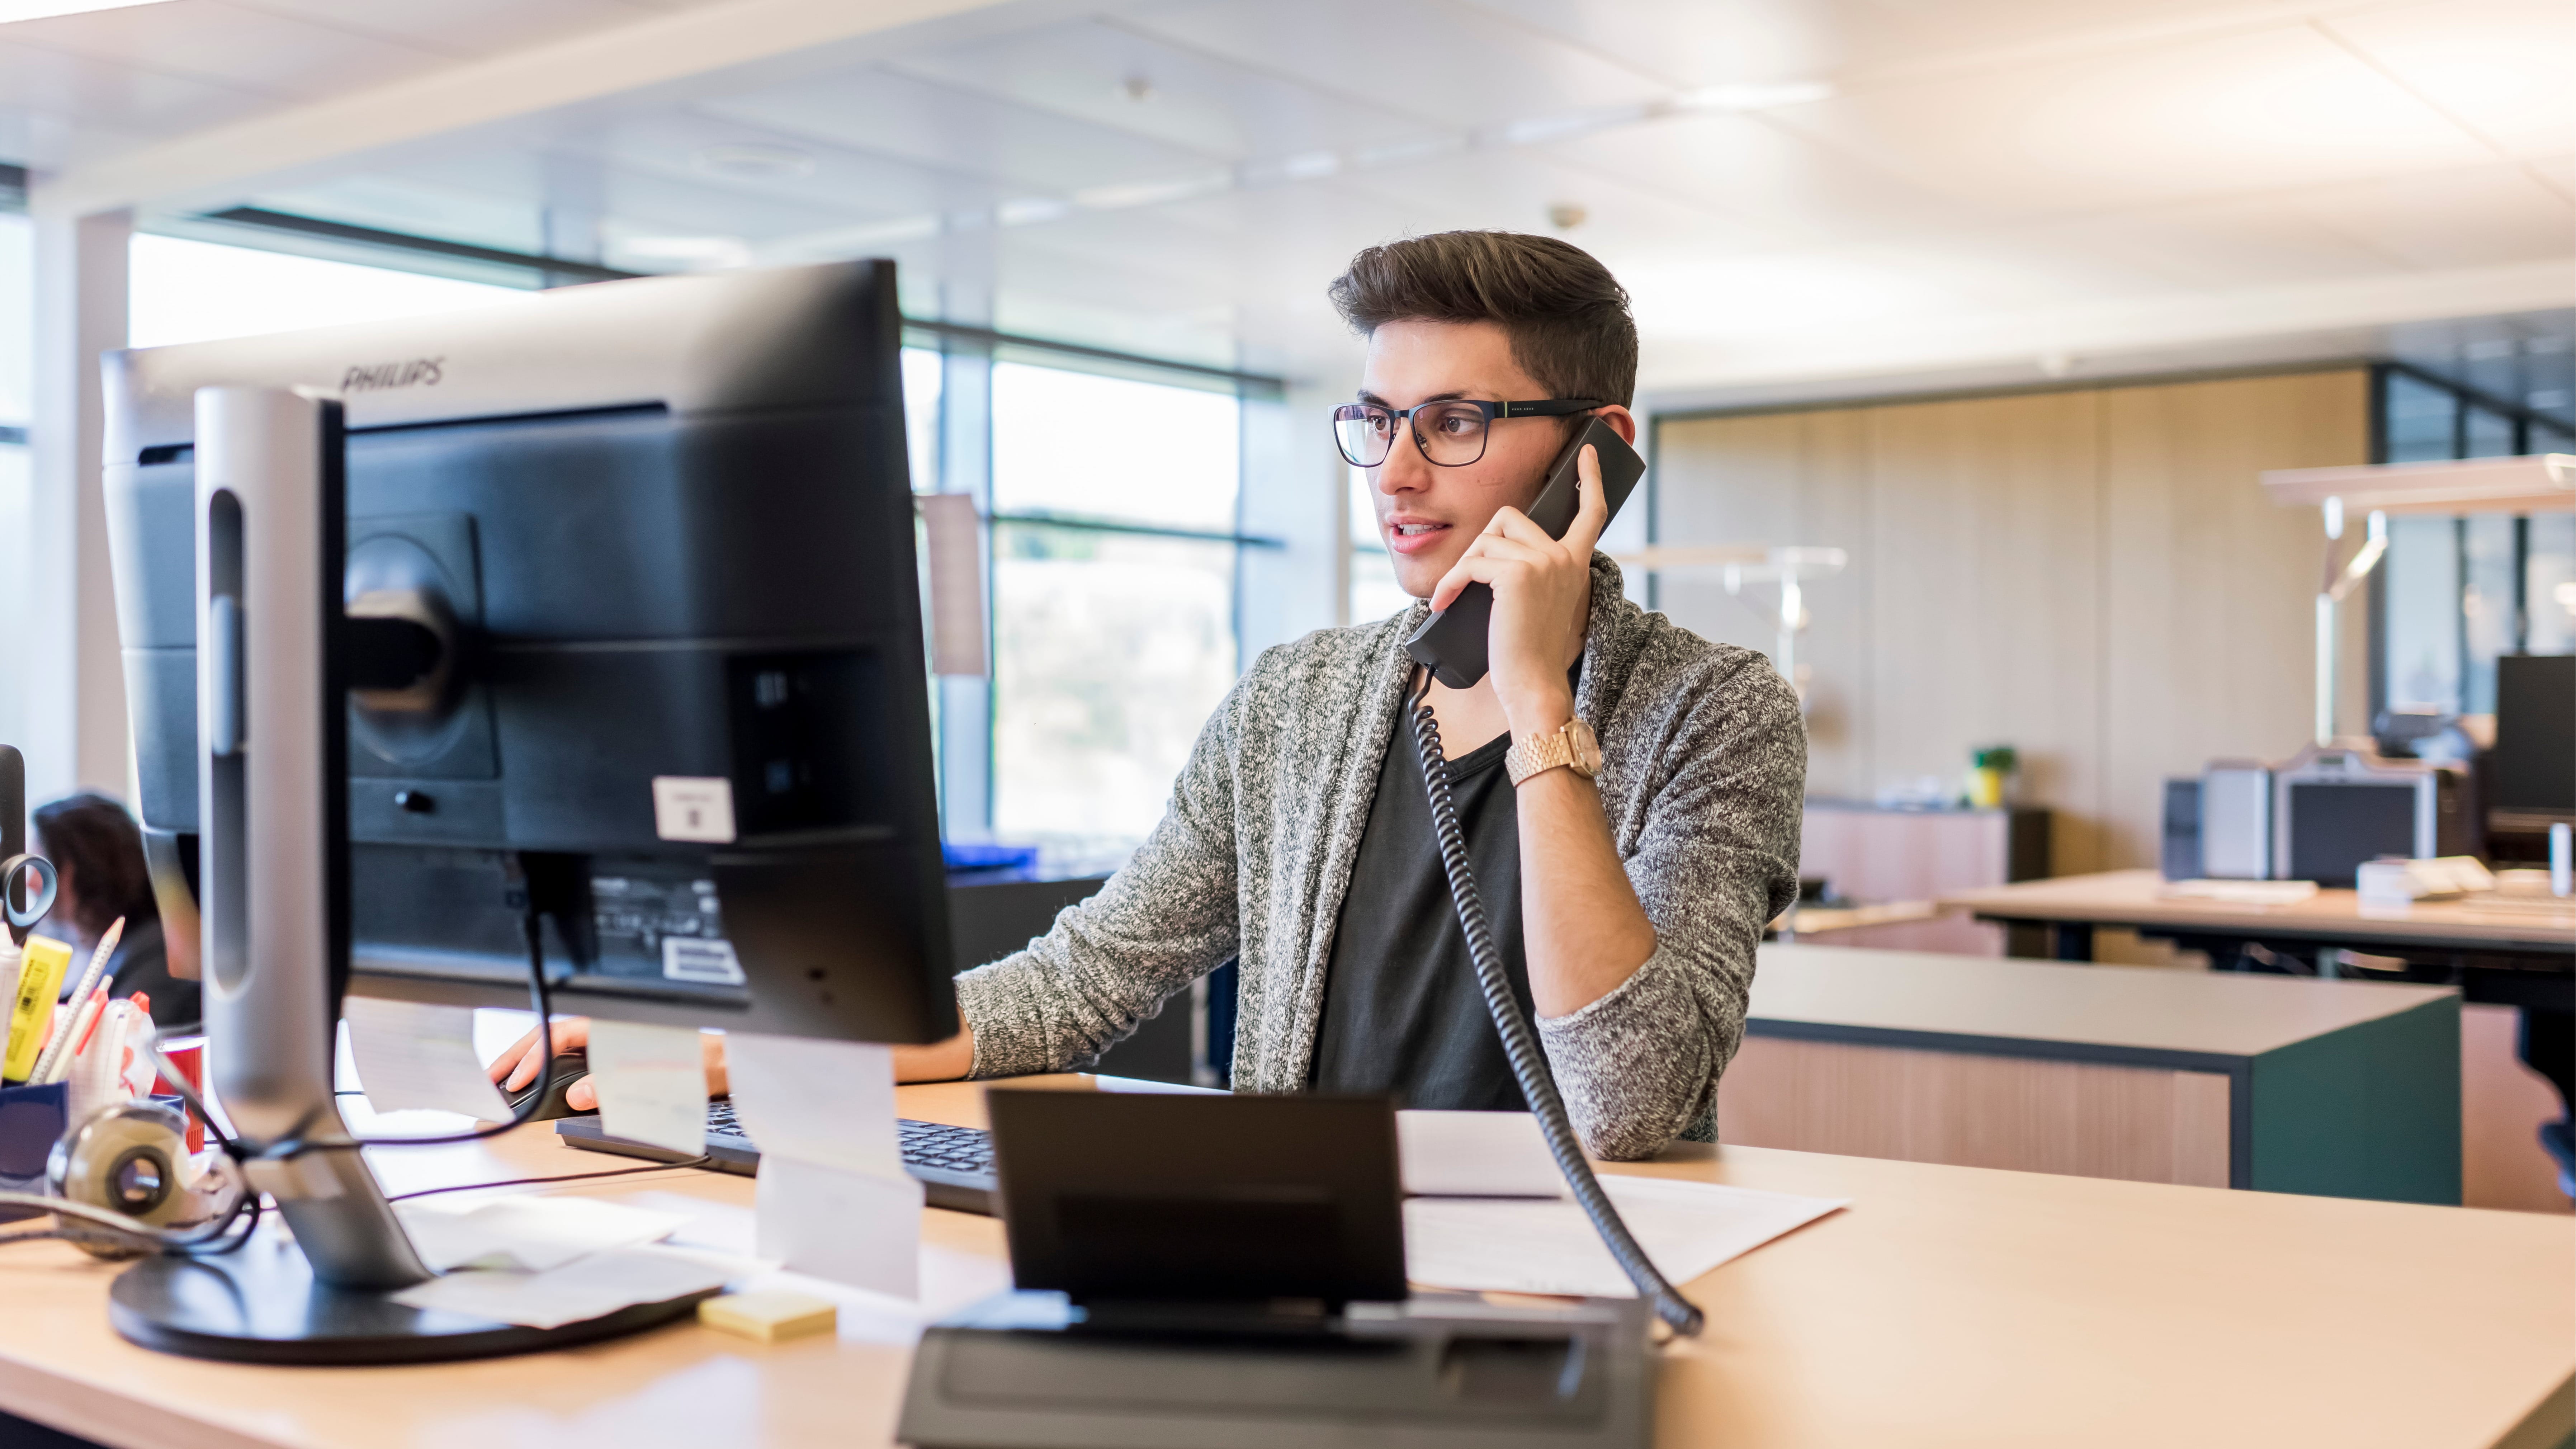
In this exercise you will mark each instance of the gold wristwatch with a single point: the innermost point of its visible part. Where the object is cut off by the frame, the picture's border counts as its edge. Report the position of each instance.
(1572, 744)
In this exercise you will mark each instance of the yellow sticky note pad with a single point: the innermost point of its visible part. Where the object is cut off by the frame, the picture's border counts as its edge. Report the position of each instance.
(770, 1317)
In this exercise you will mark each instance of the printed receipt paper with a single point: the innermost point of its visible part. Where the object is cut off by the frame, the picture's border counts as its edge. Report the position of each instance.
(1538, 1246)
(413, 1056)
(652, 1084)
(833, 1198)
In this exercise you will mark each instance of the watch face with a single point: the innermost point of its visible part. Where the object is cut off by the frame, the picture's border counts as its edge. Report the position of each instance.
(1586, 748)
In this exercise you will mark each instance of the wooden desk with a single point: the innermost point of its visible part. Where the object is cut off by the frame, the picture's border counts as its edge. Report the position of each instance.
(2539, 932)
(2505, 957)
(1947, 1306)
(2153, 1075)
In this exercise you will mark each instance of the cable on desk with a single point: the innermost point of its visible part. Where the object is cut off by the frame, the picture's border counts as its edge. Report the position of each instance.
(567, 1177)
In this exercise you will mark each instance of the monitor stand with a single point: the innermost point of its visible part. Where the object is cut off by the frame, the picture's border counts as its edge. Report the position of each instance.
(263, 1305)
(1434, 1372)
(272, 756)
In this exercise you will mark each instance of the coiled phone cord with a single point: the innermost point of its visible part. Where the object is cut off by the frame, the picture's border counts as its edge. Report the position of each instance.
(1528, 1066)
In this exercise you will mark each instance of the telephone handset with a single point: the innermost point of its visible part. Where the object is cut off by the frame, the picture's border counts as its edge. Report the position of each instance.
(1452, 643)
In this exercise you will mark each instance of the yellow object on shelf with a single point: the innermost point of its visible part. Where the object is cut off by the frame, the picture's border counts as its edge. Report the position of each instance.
(770, 1317)
(40, 980)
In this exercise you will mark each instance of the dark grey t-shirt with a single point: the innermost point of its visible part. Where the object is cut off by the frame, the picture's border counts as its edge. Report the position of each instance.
(1402, 1011)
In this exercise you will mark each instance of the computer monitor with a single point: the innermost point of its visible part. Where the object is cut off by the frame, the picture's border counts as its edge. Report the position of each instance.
(666, 528)
(2533, 772)
(589, 625)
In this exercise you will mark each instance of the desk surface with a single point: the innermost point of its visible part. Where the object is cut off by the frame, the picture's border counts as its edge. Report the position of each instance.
(1948, 1306)
(2135, 898)
(2138, 1007)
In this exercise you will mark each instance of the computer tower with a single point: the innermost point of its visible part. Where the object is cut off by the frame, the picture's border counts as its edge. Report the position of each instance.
(2338, 807)
(2236, 821)
(2180, 857)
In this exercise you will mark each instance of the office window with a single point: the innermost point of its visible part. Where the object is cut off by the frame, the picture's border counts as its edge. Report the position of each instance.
(1374, 592)
(2549, 585)
(2420, 581)
(2457, 592)
(2419, 419)
(923, 379)
(17, 405)
(1114, 551)
(192, 291)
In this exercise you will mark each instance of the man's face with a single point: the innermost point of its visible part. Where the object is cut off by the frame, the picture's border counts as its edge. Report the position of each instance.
(1427, 515)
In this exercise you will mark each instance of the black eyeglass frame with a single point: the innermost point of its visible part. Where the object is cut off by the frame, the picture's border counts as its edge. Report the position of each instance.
(1554, 407)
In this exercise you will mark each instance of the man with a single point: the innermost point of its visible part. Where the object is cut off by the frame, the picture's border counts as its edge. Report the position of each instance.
(1298, 840)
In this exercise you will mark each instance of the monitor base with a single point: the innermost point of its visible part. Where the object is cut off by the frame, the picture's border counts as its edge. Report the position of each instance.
(261, 1305)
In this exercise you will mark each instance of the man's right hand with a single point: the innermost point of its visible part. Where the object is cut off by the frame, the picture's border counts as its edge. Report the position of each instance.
(517, 1066)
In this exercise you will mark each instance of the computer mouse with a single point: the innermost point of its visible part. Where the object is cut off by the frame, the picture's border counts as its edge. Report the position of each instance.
(570, 1067)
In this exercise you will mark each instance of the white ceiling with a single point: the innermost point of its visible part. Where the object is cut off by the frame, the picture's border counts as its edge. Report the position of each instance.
(1799, 194)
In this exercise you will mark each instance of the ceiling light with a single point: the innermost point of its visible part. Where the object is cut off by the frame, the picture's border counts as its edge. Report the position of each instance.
(1566, 216)
(1753, 96)
(1137, 88)
(12, 10)
(749, 159)
(713, 251)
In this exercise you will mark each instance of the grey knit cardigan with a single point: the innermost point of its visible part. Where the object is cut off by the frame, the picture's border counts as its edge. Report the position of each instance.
(1704, 762)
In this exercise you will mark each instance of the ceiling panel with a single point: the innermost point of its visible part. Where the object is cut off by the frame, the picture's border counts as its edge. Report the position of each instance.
(1515, 190)
(217, 40)
(1189, 100)
(2009, 270)
(2219, 246)
(1449, 65)
(460, 27)
(1708, 42)
(845, 183)
(1760, 170)
(82, 93)
(2502, 66)
(2241, 113)
(2490, 216)
(1781, 292)
(881, 113)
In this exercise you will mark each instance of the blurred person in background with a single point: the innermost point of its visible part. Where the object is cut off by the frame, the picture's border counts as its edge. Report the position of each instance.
(99, 851)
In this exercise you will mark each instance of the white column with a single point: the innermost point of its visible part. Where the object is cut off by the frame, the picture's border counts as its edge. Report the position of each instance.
(75, 702)
(1294, 490)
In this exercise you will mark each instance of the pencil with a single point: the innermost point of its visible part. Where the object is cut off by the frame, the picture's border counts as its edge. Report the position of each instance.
(60, 1046)
(77, 1031)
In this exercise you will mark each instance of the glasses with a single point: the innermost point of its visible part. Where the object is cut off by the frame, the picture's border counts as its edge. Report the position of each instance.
(1451, 433)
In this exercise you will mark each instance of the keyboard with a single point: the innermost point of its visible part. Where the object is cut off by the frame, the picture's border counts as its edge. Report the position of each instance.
(953, 1164)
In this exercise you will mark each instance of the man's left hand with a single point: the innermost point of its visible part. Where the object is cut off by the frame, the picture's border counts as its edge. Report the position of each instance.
(1542, 601)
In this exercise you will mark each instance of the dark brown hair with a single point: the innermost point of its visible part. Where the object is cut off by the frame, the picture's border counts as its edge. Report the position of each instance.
(95, 842)
(1566, 315)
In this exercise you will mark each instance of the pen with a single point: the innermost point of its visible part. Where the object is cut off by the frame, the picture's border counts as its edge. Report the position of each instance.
(60, 1046)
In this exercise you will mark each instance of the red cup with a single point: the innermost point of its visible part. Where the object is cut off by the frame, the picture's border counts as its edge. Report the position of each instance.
(188, 1054)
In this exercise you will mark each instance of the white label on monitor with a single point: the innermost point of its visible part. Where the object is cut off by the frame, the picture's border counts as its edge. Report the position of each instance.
(691, 807)
(700, 961)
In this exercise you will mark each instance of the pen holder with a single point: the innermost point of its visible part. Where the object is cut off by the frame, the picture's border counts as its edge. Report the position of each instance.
(32, 1120)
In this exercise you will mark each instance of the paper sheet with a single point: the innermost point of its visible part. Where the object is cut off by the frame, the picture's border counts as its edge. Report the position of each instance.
(587, 1288)
(834, 1200)
(1509, 1246)
(529, 1234)
(858, 1228)
(652, 1083)
(1475, 1154)
(411, 1056)
(826, 1102)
